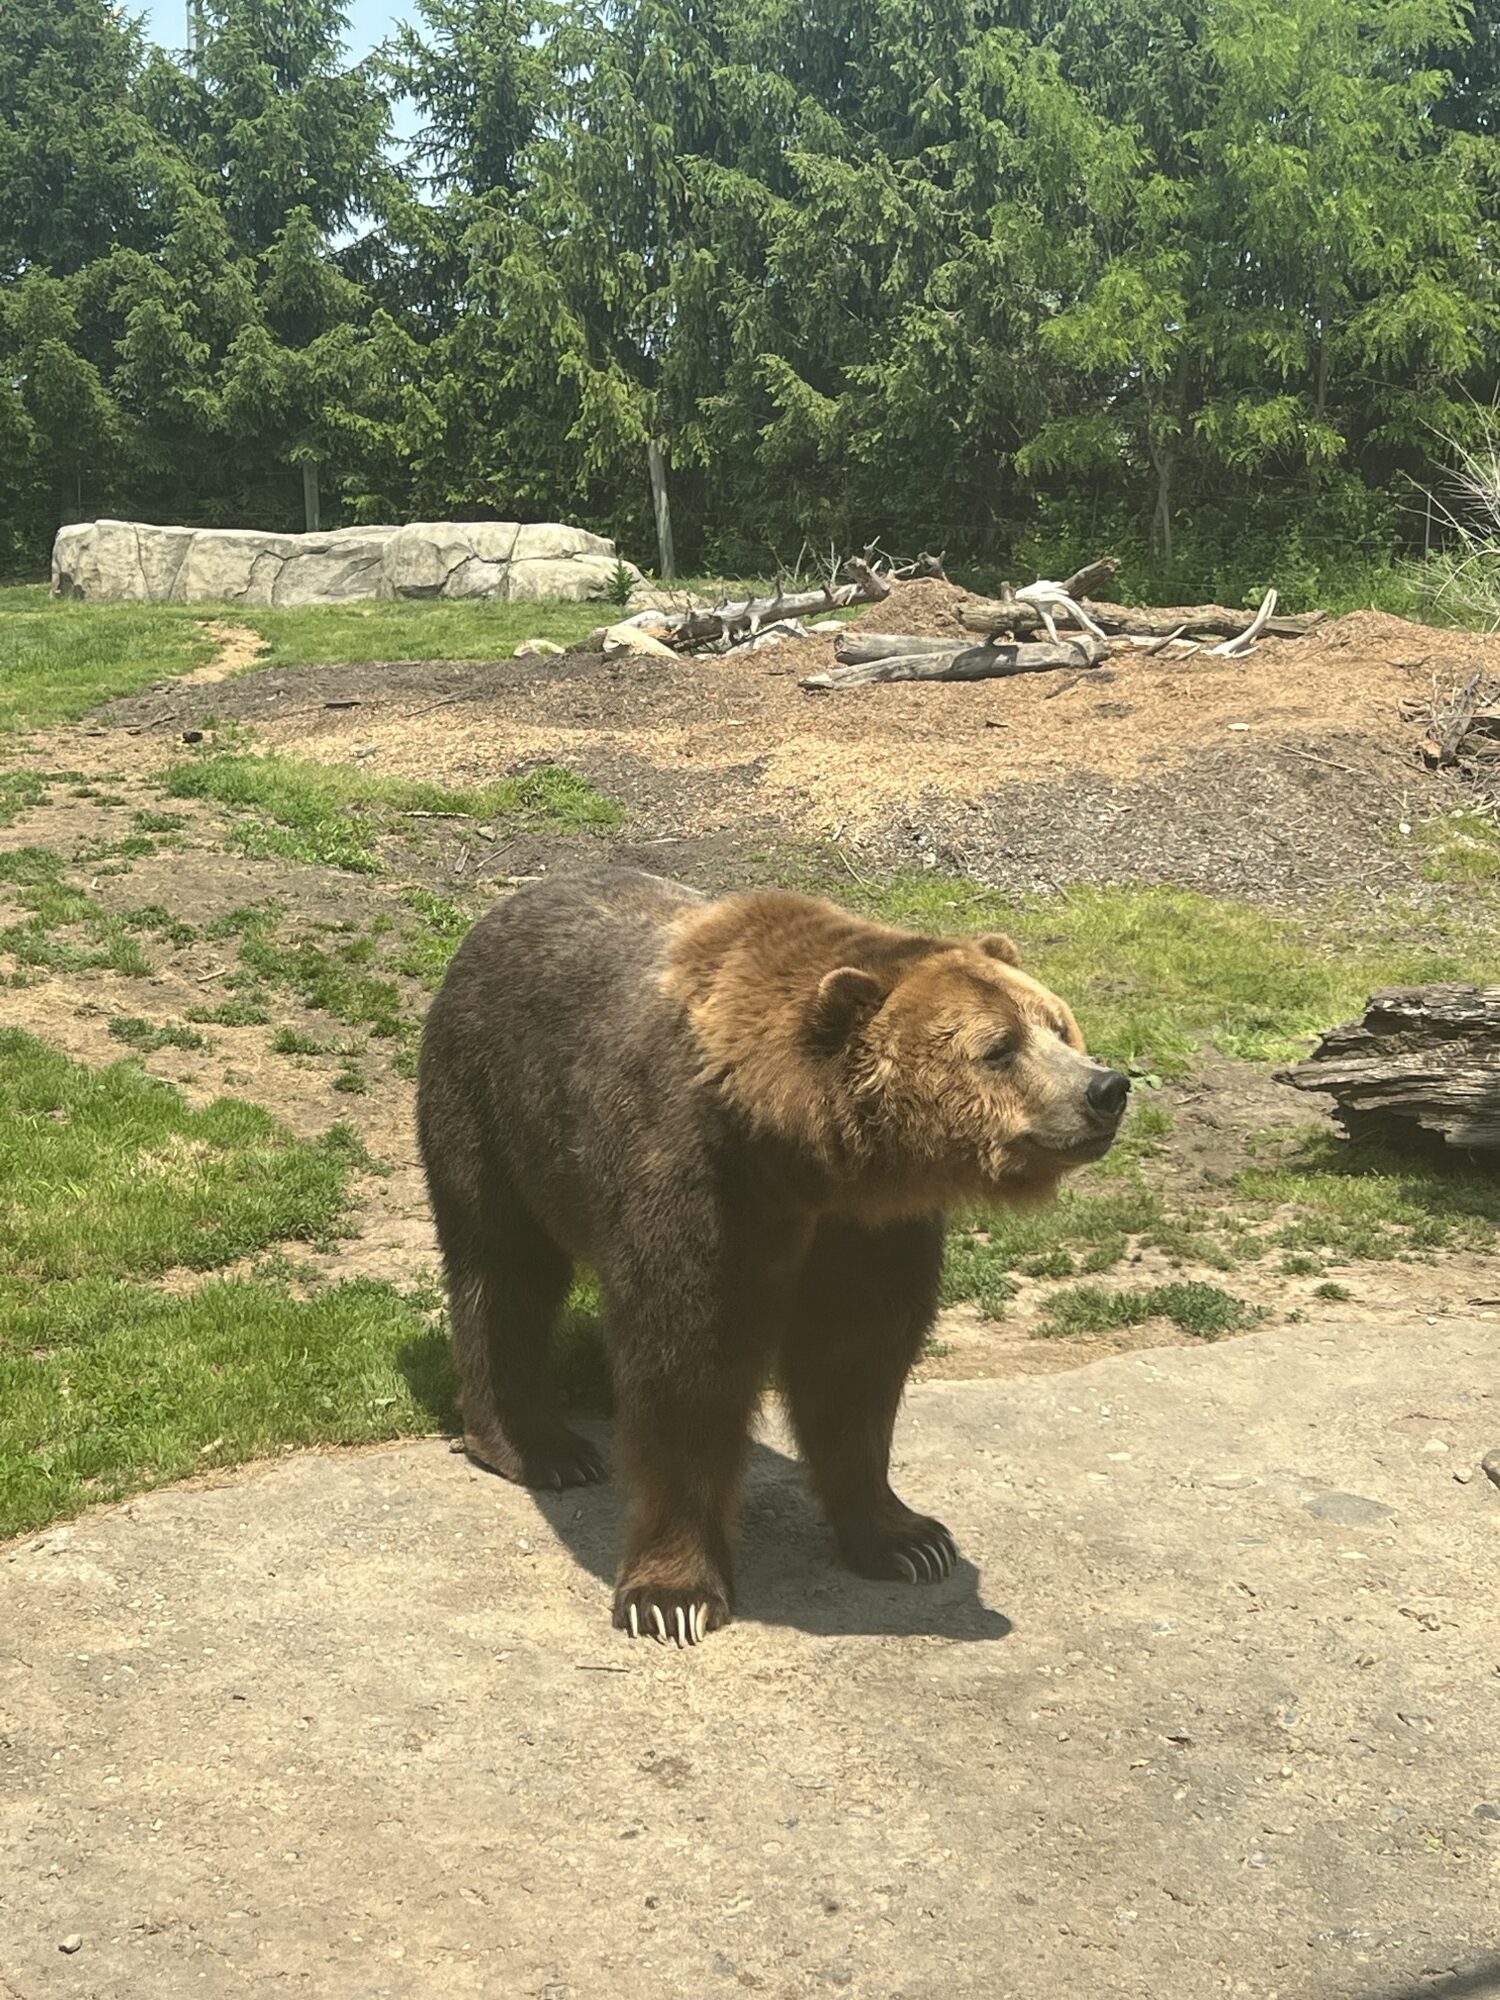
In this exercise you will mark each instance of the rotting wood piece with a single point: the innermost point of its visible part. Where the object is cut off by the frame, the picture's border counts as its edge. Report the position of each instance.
(1423, 1061)
(964, 663)
(1451, 725)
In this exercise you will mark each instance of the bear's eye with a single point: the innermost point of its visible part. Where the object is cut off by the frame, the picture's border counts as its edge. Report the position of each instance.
(999, 1054)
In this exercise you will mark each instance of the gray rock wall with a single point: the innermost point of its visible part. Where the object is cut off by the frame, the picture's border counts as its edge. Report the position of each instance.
(134, 561)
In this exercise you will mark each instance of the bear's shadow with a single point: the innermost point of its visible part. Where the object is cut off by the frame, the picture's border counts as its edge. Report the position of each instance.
(787, 1569)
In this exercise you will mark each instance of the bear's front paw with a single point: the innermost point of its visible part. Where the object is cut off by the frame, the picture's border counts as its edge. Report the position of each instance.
(914, 1550)
(683, 1617)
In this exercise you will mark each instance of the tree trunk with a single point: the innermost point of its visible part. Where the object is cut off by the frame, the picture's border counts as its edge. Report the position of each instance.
(1424, 1063)
(311, 510)
(665, 552)
(1161, 520)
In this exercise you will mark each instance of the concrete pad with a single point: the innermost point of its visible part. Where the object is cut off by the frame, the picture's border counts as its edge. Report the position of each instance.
(1211, 1709)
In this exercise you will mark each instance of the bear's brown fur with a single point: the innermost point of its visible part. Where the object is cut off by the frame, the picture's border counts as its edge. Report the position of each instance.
(748, 1117)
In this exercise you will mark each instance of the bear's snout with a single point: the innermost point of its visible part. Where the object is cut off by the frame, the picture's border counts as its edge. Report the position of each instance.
(1107, 1095)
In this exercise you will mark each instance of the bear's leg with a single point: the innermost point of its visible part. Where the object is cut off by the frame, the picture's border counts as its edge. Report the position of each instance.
(683, 1415)
(864, 1304)
(506, 1281)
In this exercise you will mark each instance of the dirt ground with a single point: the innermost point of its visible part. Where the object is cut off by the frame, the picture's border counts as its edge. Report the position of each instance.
(1276, 778)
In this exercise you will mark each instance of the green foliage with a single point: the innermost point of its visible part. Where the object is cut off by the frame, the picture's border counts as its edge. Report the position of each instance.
(1197, 280)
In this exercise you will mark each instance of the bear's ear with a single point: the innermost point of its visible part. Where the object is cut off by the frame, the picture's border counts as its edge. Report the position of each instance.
(845, 1000)
(995, 944)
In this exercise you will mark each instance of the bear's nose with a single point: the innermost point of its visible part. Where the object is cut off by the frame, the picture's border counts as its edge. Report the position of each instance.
(1107, 1093)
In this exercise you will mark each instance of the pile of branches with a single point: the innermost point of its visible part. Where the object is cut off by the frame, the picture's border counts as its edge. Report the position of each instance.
(1010, 630)
(1464, 730)
(1042, 628)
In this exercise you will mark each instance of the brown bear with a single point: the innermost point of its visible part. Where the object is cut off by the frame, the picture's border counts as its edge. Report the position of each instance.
(748, 1117)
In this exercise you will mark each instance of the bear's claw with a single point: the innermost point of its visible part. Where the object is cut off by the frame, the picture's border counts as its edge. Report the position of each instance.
(671, 1617)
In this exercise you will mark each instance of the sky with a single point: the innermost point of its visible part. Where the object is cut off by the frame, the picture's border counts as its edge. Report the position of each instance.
(369, 22)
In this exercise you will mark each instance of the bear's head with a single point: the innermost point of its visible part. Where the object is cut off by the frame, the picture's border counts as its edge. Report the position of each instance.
(913, 1072)
(970, 1078)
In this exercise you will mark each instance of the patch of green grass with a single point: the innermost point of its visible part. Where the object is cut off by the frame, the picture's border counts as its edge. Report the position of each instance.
(108, 1173)
(108, 1388)
(332, 815)
(244, 1011)
(1362, 1202)
(133, 847)
(292, 1042)
(146, 1038)
(1153, 972)
(21, 791)
(428, 949)
(54, 906)
(352, 1079)
(327, 982)
(1199, 1309)
(354, 634)
(1460, 847)
(59, 660)
(984, 1253)
(157, 822)
(1331, 1290)
(249, 917)
(157, 919)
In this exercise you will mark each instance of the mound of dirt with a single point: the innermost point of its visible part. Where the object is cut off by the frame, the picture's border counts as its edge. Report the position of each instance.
(925, 604)
(1278, 776)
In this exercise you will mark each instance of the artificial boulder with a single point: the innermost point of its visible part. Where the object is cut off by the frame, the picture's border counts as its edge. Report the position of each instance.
(138, 562)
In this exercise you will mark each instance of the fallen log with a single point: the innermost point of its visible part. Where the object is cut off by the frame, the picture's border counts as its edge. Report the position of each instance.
(853, 647)
(1200, 621)
(962, 663)
(1008, 613)
(746, 616)
(1424, 1062)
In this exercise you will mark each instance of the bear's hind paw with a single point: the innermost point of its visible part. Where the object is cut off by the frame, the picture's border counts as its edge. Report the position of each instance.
(920, 1550)
(563, 1459)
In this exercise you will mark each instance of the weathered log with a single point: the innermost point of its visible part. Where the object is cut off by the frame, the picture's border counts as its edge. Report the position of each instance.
(746, 616)
(1148, 621)
(853, 646)
(1423, 1062)
(962, 663)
